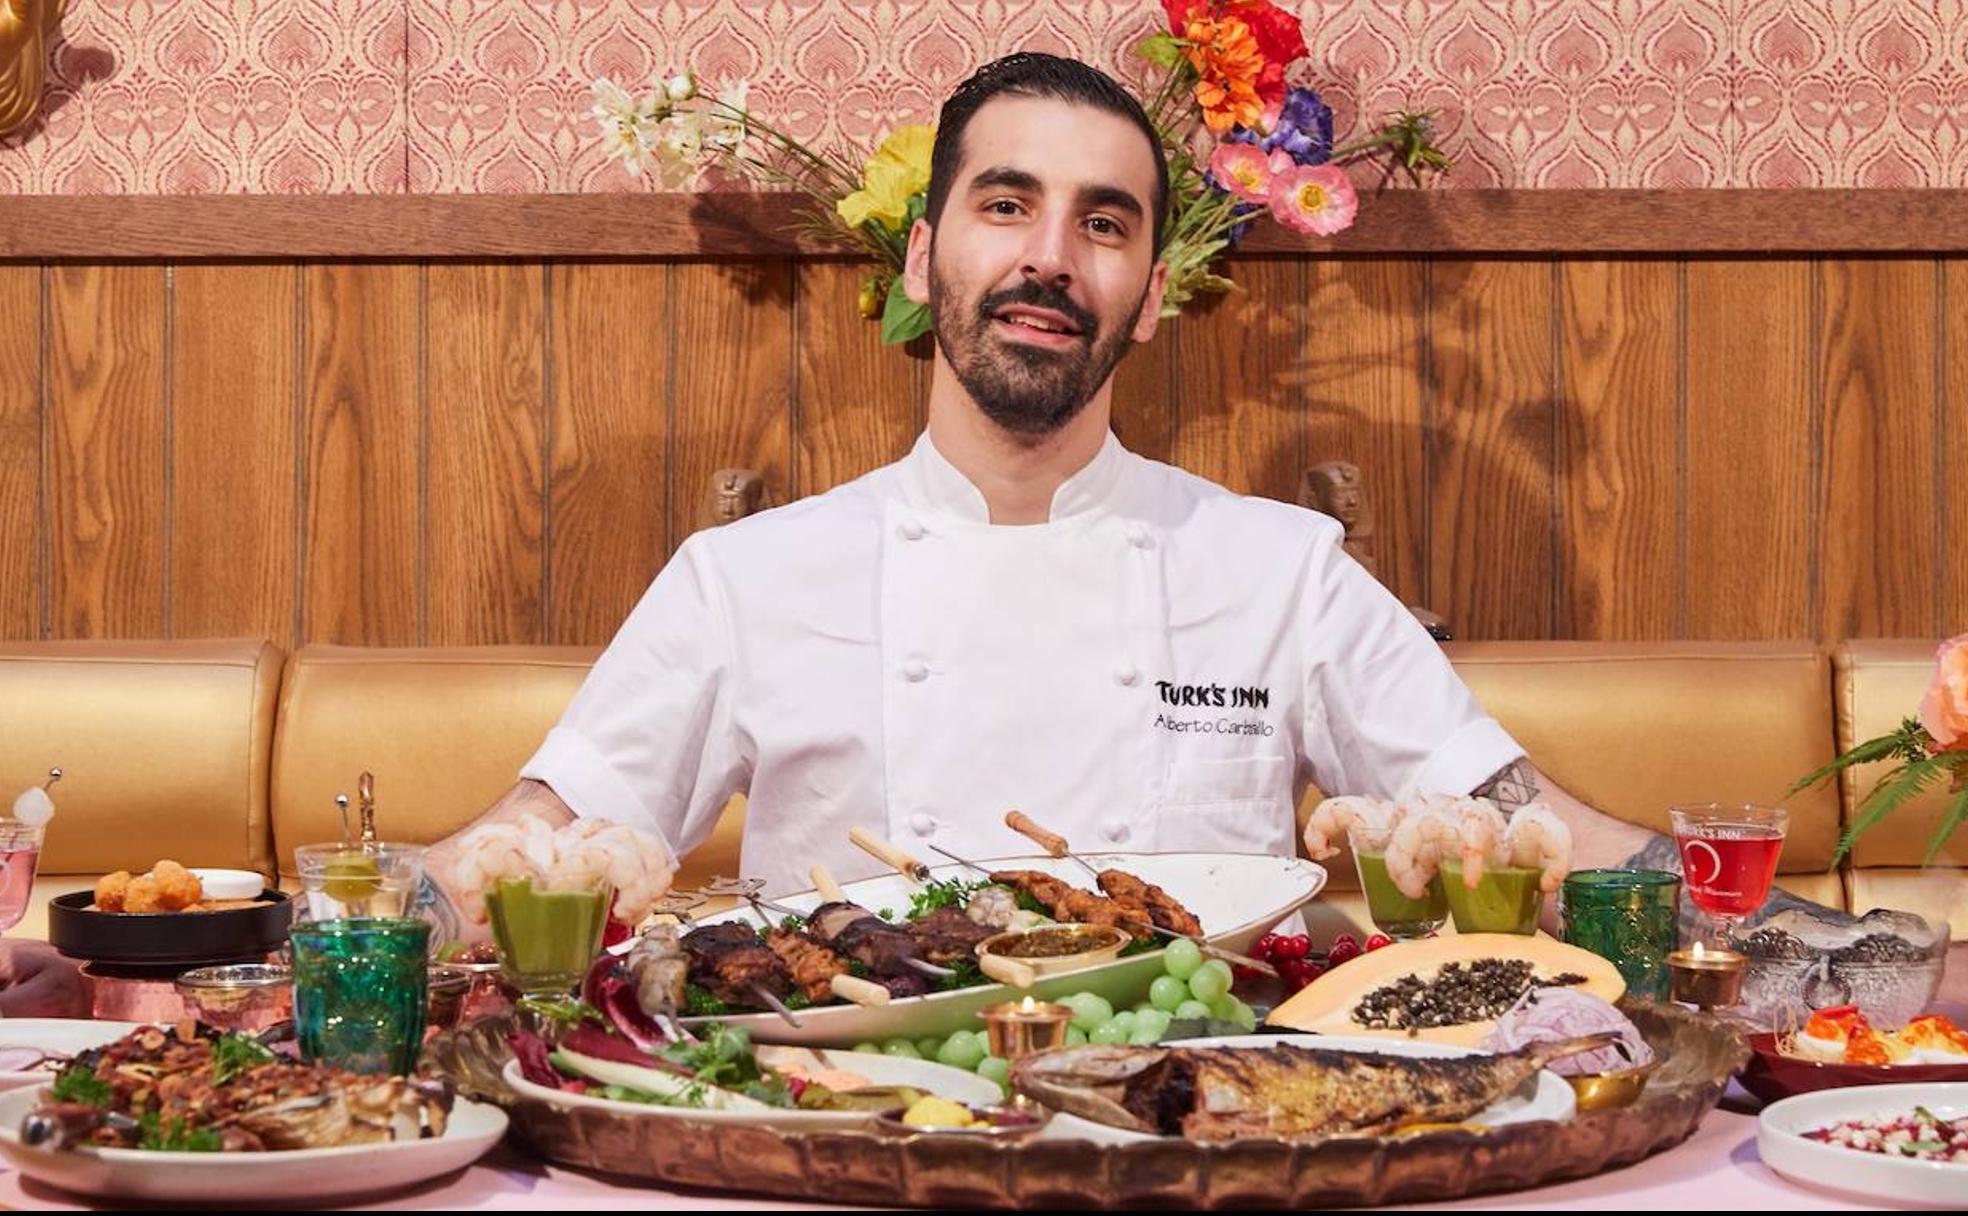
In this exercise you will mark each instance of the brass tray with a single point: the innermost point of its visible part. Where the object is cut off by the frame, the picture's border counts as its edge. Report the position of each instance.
(1699, 1055)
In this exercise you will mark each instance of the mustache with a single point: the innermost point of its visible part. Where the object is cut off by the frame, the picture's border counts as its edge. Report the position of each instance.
(1034, 294)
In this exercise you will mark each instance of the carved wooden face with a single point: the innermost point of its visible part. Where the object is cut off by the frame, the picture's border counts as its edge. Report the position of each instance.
(735, 493)
(1334, 489)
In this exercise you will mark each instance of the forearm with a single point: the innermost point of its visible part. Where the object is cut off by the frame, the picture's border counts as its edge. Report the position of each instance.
(438, 900)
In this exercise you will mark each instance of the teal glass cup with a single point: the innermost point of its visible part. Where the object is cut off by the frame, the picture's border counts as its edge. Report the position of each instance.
(360, 992)
(1628, 918)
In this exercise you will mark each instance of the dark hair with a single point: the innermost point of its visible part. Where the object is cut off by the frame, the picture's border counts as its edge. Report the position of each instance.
(1033, 74)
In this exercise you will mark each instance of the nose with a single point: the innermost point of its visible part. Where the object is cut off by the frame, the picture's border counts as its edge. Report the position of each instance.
(1048, 253)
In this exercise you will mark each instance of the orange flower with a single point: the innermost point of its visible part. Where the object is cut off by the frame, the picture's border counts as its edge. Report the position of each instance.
(1944, 710)
(1232, 68)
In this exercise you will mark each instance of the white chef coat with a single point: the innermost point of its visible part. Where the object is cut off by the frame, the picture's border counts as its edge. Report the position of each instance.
(1161, 665)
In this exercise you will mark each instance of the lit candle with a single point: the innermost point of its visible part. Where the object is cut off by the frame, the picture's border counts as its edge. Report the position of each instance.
(1707, 978)
(1017, 1029)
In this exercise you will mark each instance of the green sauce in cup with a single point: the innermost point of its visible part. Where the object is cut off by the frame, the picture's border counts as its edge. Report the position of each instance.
(546, 939)
(1506, 899)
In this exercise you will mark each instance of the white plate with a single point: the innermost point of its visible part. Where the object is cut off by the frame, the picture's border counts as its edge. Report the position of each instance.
(230, 884)
(309, 1174)
(1870, 1177)
(65, 1035)
(1236, 896)
(939, 1079)
(1548, 1096)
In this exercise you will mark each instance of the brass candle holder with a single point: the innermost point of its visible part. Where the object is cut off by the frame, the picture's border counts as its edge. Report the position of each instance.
(1017, 1029)
(1707, 979)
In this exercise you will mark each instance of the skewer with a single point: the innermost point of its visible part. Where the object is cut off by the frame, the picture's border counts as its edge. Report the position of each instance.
(823, 882)
(886, 853)
(1052, 842)
(742, 887)
(850, 988)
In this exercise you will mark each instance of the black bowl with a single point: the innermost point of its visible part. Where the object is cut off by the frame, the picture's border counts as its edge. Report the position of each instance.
(189, 939)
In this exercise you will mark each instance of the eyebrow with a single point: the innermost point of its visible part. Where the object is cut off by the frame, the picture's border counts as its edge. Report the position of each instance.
(1004, 177)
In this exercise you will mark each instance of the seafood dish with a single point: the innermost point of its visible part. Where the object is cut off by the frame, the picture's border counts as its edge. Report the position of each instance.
(1465, 836)
(1286, 1092)
(1842, 1035)
(190, 1089)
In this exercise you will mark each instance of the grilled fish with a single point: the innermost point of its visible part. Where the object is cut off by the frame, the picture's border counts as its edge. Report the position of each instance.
(1287, 1093)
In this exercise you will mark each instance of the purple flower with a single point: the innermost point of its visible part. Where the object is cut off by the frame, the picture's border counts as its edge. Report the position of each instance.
(1304, 129)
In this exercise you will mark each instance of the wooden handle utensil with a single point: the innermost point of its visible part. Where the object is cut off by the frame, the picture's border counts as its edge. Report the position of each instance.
(1007, 970)
(823, 882)
(888, 854)
(1052, 842)
(861, 992)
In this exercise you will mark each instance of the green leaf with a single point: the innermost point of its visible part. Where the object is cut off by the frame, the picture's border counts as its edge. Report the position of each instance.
(903, 318)
(1892, 792)
(1864, 753)
(234, 1054)
(79, 1083)
(1162, 50)
(1951, 822)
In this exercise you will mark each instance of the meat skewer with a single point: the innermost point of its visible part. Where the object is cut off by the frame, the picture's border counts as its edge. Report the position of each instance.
(730, 963)
(882, 948)
(660, 967)
(886, 853)
(817, 967)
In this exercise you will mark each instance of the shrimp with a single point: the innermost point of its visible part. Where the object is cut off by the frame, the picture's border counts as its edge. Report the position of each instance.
(483, 856)
(638, 865)
(1414, 854)
(1332, 819)
(1537, 838)
(1479, 830)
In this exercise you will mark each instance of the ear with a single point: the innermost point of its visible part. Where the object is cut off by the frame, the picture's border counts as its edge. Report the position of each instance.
(915, 264)
(1151, 304)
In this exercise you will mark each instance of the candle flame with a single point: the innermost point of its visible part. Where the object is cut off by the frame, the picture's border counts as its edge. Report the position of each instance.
(1028, 1005)
(1699, 952)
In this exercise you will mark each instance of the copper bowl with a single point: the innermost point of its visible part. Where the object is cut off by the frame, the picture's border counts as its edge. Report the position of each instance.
(1610, 1090)
(244, 996)
(1095, 944)
(994, 1123)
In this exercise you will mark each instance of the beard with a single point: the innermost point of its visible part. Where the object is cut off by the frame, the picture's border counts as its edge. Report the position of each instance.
(1029, 391)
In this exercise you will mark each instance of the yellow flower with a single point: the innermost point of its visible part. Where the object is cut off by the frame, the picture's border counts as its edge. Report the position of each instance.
(898, 170)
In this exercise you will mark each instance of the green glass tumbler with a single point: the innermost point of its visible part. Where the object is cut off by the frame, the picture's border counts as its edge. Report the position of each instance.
(360, 990)
(1628, 918)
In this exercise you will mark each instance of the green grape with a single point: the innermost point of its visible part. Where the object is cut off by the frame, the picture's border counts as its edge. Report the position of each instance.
(1167, 992)
(1224, 1008)
(1192, 1009)
(1145, 1035)
(1154, 1024)
(1125, 1020)
(1207, 985)
(1243, 1015)
(1181, 959)
(1089, 1009)
(1143, 1007)
(961, 1050)
(1075, 1037)
(901, 1047)
(929, 1046)
(1108, 1034)
(868, 1049)
(995, 1068)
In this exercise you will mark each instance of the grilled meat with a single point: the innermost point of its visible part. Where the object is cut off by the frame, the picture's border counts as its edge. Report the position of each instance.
(1069, 903)
(947, 936)
(1287, 1093)
(812, 963)
(660, 967)
(730, 962)
(883, 949)
(1163, 909)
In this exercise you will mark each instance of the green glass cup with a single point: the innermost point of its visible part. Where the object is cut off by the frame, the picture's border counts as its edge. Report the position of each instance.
(360, 991)
(1628, 918)
(1505, 899)
(1390, 908)
(547, 938)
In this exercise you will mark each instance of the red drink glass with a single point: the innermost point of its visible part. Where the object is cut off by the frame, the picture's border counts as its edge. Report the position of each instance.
(1729, 857)
(20, 854)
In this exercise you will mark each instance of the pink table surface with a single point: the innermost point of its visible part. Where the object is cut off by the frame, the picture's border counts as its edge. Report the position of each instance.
(1715, 1170)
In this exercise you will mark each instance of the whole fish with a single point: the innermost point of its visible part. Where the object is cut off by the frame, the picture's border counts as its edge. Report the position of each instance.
(1284, 1092)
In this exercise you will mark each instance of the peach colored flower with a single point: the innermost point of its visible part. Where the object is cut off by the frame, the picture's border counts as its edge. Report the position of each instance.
(1944, 710)
(1245, 171)
(1314, 198)
(1227, 57)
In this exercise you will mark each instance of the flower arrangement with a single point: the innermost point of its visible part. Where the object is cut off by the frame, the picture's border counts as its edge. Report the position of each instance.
(1241, 142)
(1930, 745)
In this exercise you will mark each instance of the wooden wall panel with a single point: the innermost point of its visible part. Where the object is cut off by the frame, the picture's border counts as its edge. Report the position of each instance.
(362, 422)
(1750, 420)
(484, 453)
(106, 471)
(1619, 464)
(859, 403)
(20, 453)
(234, 397)
(1877, 503)
(1951, 531)
(1241, 379)
(1363, 355)
(1492, 569)
(730, 400)
(608, 471)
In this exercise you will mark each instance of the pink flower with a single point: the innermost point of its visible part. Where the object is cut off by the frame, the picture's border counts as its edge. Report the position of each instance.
(1314, 198)
(1944, 710)
(1246, 171)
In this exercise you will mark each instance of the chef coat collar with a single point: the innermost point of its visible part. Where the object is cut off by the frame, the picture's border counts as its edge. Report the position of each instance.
(931, 482)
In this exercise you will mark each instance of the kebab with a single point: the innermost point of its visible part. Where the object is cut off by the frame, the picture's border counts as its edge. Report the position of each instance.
(730, 962)
(886, 950)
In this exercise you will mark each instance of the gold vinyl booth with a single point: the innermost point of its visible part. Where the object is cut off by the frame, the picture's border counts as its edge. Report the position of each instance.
(214, 753)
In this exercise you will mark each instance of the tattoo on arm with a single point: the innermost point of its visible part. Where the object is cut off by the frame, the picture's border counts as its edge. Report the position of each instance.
(433, 905)
(1661, 853)
(1512, 786)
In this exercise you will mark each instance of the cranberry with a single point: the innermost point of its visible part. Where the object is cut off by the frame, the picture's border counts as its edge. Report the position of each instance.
(1345, 939)
(1343, 950)
(1266, 947)
(1378, 940)
(1293, 947)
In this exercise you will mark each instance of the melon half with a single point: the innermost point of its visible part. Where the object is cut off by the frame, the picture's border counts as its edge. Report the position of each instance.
(1325, 1006)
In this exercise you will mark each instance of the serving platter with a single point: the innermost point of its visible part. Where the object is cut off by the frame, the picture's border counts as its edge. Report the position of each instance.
(1699, 1054)
(59, 1037)
(1236, 896)
(177, 939)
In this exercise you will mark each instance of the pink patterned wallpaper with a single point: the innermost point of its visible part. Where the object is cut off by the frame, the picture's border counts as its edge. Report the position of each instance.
(173, 96)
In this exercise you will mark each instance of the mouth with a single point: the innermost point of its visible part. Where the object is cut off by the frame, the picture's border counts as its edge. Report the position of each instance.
(1037, 326)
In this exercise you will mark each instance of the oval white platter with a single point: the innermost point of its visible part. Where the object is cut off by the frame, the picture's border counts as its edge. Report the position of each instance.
(1547, 1096)
(927, 1075)
(1871, 1177)
(1236, 896)
(65, 1036)
(309, 1174)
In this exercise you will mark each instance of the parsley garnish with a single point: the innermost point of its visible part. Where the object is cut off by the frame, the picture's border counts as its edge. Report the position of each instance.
(79, 1083)
(943, 893)
(699, 1003)
(174, 1135)
(234, 1054)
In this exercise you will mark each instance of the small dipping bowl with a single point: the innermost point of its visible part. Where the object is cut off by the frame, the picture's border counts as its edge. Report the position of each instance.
(1610, 1090)
(1053, 948)
(1707, 979)
(238, 996)
(449, 984)
(1008, 1122)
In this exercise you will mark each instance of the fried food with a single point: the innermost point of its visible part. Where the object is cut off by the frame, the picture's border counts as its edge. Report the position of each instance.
(1163, 909)
(111, 890)
(166, 887)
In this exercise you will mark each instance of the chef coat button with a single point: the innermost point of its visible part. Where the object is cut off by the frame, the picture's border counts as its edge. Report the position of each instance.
(923, 822)
(1127, 674)
(1115, 830)
(915, 671)
(910, 530)
(1137, 535)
